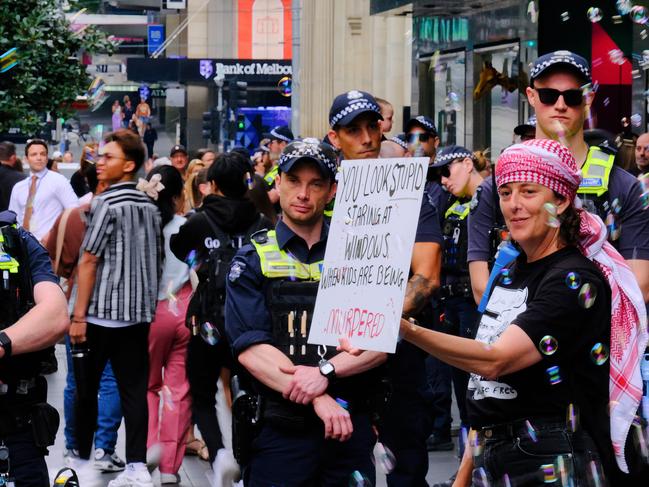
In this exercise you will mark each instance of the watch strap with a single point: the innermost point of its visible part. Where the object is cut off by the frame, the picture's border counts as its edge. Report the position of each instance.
(5, 343)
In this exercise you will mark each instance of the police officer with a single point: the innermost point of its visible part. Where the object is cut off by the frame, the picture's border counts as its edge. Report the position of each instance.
(527, 130)
(33, 317)
(208, 241)
(355, 130)
(560, 105)
(560, 101)
(456, 166)
(421, 132)
(278, 138)
(315, 415)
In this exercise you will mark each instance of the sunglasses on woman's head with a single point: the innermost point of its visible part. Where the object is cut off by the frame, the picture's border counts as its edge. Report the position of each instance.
(549, 96)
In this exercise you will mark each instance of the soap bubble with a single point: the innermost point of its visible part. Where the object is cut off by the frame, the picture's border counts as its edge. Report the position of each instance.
(548, 345)
(599, 354)
(480, 478)
(643, 34)
(623, 6)
(357, 479)
(385, 459)
(594, 14)
(572, 417)
(209, 333)
(531, 431)
(636, 119)
(506, 276)
(552, 220)
(638, 14)
(554, 375)
(573, 281)
(549, 475)
(587, 295)
(565, 16)
(616, 56)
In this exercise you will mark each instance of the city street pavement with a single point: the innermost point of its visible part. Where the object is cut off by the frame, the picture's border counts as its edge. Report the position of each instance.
(193, 471)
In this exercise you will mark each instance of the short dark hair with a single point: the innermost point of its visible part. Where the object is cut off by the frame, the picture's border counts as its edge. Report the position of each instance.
(229, 173)
(7, 150)
(204, 150)
(131, 145)
(36, 142)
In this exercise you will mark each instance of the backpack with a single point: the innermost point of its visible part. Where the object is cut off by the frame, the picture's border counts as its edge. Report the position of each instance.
(207, 303)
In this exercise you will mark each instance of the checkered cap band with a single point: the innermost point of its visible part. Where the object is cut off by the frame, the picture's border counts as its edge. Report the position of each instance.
(423, 121)
(564, 57)
(542, 161)
(279, 136)
(354, 106)
(442, 158)
(313, 149)
(400, 141)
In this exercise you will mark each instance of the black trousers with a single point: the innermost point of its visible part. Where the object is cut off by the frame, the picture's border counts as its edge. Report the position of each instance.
(27, 464)
(283, 458)
(204, 363)
(128, 351)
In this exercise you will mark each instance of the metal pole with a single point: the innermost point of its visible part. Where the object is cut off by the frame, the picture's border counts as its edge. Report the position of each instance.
(295, 68)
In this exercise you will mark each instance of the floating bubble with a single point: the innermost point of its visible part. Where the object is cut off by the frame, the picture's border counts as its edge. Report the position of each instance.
(348, 220)
(357, 479)
(548, 345)
(616, 206)
(8, 59)
(616, 56)
(565, 16)
(506, 276)
(562, 470)
(343, 404)
(641, 438)
(572, 417)
(554, 375)
(599, 354)
(549, 475)
(644, 200)
(285, 86)
(475, 443)
(385, 459)
(552, 220)
(594, 14)
(480, 478)
(587, 295)
(613, 227)
(167, 399)
(623, 6)
(573, 281)
(531, 431)
(638, 14)
(209, 333)
(636, 119)
(643, 34)
(506, 482)
(595, 478)
(192, 259)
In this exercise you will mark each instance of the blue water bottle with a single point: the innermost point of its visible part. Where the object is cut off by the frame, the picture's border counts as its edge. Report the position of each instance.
(506, 254)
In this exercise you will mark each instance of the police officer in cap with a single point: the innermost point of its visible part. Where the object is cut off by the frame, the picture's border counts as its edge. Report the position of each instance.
(33, 317)
(278, 138)
(560, 95)
(314, 410)
(527, 130)
(422, 133)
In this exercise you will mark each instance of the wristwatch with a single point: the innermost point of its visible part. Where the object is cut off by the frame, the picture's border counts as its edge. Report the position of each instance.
(5, 343)
(327, 369)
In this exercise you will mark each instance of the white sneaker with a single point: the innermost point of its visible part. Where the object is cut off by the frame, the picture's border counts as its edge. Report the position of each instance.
(169, 478)
(225, 469)
(69, 457)
(132, 478)
(108, 463)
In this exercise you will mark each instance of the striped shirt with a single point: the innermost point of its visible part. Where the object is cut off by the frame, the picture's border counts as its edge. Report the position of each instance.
(124, 232)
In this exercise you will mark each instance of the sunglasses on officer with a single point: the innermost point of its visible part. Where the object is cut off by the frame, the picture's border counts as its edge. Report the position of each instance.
(419, 137)
(445, 171)
(549, 96)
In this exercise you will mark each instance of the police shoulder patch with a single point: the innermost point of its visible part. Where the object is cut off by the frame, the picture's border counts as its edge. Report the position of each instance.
(236, 269)
(475, 199)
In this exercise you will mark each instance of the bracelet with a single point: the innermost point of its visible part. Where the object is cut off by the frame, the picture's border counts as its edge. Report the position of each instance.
(77, 320)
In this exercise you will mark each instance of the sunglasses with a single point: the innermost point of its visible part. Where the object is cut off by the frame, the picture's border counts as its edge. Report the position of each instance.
(445, 171)
(418, 137)
(549, 96)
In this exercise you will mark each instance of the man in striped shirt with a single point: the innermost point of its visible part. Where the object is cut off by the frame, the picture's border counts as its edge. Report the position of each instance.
(117, 278)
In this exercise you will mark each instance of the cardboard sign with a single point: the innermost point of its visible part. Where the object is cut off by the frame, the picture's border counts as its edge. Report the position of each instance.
(367, 260)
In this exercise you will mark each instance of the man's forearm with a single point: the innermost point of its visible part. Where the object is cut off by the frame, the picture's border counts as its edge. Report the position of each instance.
(418, 291)
(86, 275)
(263, 361)
(44, 324)
(347, 365)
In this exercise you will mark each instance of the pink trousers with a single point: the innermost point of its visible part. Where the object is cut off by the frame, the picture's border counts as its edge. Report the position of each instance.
(168, 395)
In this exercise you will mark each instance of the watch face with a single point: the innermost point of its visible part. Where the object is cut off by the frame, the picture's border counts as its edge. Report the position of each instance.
(326, 368)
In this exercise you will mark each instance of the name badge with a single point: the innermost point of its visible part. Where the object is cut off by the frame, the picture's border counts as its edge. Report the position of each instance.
(590, 182)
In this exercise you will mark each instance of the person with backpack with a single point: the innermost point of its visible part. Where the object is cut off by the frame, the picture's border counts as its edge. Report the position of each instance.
(207, 242)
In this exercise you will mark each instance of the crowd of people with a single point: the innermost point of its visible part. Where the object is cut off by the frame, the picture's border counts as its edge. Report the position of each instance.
(526, 298)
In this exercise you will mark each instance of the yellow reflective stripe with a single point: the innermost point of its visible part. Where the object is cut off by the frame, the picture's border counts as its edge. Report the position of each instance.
(459, 210)
(276, 263)
(596, 183)
(270, 177)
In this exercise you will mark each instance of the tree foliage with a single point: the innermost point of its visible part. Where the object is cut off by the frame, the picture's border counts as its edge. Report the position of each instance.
(49, 74)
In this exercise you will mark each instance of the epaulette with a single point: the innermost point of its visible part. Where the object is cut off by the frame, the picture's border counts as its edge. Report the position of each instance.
(260, 236)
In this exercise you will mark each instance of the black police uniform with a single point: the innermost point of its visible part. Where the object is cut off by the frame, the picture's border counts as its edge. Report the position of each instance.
(28, 424)
(289, 447)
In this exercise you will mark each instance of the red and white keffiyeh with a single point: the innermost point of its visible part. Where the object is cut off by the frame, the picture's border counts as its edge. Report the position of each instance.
(550, 164)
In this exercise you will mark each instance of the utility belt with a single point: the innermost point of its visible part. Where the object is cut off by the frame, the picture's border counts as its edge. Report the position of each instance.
(458, 289)
(41, 419)
(20, 392)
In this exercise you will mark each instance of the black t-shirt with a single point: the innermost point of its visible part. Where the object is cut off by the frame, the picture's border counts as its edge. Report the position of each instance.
(544, 302)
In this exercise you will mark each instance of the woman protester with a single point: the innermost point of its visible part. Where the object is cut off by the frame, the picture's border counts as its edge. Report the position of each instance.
(539, 400)
(168, 337)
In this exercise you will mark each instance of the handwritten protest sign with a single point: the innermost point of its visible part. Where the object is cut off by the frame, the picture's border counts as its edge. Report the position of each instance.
(367, 260)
